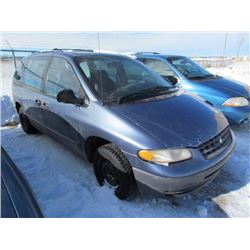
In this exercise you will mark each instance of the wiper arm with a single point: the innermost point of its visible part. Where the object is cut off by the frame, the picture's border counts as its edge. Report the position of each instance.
(202, 77)
(147, 92)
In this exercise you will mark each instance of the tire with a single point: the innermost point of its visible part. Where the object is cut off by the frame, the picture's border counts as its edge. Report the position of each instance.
(24, 120)
(113, 168)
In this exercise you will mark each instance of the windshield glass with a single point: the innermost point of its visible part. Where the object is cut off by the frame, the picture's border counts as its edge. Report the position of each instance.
(113, 77)
(189, 68)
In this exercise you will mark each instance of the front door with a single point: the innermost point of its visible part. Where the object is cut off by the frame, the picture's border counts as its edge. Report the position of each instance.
(61, 119)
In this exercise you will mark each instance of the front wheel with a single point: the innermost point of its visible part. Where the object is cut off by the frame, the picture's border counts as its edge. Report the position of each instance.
(113, 169)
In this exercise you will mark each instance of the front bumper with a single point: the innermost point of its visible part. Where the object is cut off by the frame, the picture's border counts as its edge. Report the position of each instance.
(182, 177)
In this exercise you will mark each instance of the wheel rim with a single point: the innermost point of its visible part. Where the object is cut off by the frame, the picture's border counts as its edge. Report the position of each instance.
(110, 174)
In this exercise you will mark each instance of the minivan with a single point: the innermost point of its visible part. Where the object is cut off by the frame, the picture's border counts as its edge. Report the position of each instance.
(138, 129)
(229, 96)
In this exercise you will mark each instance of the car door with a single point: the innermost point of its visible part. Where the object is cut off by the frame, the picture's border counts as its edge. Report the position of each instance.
(30, 87)
(62, 119)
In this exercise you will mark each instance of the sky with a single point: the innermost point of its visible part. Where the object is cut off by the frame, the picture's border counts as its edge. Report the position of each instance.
(184, 43)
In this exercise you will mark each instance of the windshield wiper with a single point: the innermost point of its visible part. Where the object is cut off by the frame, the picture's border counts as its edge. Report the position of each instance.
(203, 76)
(155, 91)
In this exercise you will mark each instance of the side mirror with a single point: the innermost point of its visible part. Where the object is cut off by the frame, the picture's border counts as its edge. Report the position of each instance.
(68, 96)
(171, 79)
(16, 75)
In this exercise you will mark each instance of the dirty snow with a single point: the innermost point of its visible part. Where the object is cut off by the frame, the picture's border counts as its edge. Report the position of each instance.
(65, 186)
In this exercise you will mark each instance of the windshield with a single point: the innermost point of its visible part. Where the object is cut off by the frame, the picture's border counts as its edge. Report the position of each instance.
(189, 68)
(112, 78)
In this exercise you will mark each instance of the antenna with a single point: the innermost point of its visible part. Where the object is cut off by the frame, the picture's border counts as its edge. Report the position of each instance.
(13, 54)
(100, 73)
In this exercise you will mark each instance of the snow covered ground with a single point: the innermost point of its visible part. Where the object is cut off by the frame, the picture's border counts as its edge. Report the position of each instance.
(65, 186)
(238, 71)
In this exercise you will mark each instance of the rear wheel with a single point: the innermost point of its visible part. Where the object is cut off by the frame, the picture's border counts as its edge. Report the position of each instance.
(26, 125)
(113, 169)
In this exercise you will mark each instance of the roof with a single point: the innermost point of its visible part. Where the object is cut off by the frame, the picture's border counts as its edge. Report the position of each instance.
(75, 53)
(154, 54)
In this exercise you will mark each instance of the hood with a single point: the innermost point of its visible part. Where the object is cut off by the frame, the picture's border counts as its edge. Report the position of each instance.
(177, 121)
(227, 87)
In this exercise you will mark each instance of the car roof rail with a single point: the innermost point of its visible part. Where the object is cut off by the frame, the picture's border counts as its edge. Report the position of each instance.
(147, 52)
(76, 50)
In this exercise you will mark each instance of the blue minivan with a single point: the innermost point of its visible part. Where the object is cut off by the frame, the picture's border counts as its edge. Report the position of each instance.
(231, 97)
(137, 128)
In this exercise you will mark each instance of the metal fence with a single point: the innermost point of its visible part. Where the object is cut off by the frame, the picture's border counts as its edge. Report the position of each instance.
(214, 63)
(219, 62)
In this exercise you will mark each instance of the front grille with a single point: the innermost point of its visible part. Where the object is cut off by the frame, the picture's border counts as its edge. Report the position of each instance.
(216, 145)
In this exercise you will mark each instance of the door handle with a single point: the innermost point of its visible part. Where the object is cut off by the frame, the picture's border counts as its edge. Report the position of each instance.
(38, 102)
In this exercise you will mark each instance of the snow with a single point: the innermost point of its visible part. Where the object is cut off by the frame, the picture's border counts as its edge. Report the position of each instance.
(238, 71)
(65, 185)
(8, 112)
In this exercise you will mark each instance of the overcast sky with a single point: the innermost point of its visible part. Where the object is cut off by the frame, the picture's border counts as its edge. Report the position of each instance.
(188, 43)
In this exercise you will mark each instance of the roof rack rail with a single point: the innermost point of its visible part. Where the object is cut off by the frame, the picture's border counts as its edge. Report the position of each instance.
(147, 52)
(80, 50)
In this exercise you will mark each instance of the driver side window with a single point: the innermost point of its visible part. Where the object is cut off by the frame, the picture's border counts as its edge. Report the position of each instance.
(61, 76)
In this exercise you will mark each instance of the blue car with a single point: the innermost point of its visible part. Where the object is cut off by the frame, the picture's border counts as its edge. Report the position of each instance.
(17, 199)
(135, 127)
(230, 97)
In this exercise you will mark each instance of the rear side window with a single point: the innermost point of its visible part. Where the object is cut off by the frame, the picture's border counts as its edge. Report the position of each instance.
(159, 67)
(33, 71)
(61, 76)
(22, 65)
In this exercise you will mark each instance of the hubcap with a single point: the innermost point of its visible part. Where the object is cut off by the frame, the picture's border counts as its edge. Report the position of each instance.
(110, 173)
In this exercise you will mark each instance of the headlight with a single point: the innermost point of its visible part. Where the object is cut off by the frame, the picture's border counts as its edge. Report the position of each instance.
(165, 156)
(236, 102)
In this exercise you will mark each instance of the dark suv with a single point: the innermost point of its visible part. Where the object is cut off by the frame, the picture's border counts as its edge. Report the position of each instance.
(132, 124)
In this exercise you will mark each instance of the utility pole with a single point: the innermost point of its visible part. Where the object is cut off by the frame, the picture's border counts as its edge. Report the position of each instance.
(240, 43)
(224, 49)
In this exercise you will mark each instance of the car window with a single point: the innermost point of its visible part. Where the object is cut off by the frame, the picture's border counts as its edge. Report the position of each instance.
(33, 70)
(22, 65)
(160, 67)
(85, 69)
(188, 68)
(61, 76)
(111, 78)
